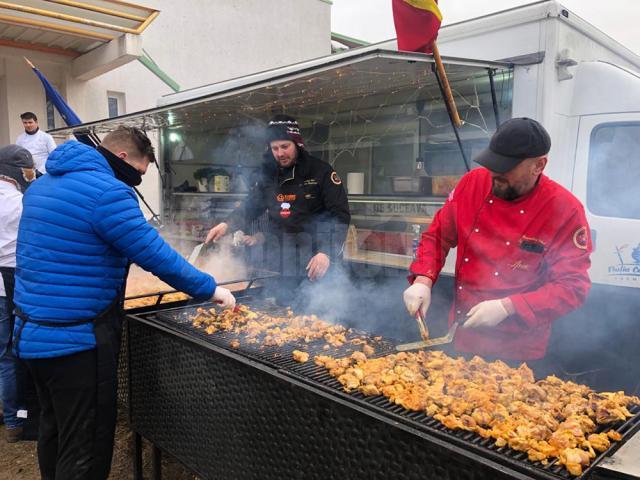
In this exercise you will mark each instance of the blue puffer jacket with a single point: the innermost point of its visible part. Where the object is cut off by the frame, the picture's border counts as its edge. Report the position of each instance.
(79, 228)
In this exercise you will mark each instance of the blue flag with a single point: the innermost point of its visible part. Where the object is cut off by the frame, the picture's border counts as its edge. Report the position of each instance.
(65, 111)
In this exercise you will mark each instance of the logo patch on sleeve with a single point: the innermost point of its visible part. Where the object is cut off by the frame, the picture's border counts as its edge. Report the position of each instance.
(335, 178)
(580, 238)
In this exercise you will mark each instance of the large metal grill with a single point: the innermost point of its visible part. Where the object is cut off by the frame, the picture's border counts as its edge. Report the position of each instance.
(383, 440)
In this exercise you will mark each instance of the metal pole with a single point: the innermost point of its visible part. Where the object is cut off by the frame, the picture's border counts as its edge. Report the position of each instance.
(455, 130)
(494, 100)
(153, 214)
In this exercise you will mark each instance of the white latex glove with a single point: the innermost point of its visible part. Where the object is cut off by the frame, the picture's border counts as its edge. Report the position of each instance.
(417, 296)
(216, 232)
(224, 298)
(237, 238)
(486, 314)
(318, 266)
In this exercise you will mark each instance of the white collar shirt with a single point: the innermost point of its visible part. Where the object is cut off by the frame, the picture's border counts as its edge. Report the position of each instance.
(40, 144)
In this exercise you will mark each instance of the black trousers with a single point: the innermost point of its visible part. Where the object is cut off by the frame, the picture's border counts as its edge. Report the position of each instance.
(78, 401)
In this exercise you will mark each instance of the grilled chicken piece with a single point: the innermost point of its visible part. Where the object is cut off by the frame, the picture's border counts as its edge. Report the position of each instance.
(359, 357)
(300, 356)
(481, 416)
(574, 459)
(599, 441)
(613, 435)
(606, 414)
(349, 381)
(368, 349)
(234, 344)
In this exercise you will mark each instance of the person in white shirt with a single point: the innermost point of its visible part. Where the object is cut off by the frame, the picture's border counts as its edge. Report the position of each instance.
(16, 173)
(39, 143)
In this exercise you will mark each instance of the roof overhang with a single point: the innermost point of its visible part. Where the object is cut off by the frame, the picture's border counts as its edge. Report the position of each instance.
(72, 29)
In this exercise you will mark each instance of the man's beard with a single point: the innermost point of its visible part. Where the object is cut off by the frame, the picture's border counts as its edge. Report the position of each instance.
(289, 163)
(503, 190)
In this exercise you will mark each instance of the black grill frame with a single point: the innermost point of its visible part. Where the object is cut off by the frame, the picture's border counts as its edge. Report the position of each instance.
(306, 389)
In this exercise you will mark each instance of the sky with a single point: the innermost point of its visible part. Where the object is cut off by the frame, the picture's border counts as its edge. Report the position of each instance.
(372, 21)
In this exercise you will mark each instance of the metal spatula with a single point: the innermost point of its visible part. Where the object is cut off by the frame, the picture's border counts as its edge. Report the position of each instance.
(448, 338)
(195, 253)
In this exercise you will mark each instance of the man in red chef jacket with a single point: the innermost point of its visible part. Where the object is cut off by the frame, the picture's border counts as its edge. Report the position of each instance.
(523, 249)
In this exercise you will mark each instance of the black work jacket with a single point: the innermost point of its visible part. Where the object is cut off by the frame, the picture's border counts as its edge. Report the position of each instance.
(312, 200)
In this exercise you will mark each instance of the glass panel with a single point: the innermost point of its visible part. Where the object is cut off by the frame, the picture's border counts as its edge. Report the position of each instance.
(381, 120)
(614, 170)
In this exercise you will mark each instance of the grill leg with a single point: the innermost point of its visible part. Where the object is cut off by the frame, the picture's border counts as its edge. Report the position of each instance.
(137, 457)
(157, 463)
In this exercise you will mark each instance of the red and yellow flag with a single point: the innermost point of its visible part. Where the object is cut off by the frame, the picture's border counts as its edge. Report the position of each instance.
(417, 24)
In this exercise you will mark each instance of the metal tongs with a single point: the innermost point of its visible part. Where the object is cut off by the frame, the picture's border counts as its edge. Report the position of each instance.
(424, 331)
(448, 338)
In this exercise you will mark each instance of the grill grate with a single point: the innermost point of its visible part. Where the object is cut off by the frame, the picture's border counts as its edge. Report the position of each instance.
(280, 357)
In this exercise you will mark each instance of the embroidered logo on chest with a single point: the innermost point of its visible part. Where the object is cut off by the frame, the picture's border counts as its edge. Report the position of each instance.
(285, 198)
(285, 210)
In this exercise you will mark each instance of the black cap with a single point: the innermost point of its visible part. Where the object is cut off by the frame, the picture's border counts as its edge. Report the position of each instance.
(16, 166)
(514, 141)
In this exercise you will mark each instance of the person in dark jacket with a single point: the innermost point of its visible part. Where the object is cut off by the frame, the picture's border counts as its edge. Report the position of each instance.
(81, 226)
(307, 207)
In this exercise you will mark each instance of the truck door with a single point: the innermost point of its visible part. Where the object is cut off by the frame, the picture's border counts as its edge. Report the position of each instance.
(607, 180)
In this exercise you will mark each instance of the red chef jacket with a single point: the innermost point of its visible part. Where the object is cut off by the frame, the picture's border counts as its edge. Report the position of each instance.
(534, 250)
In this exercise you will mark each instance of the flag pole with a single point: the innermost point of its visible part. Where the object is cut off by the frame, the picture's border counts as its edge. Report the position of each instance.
(448, 94)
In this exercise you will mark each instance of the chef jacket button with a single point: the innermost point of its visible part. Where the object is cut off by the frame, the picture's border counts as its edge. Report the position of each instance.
(496, 273)
(466, 259)
(458, 312)
(460, 287)
(521, 211)
(477, 230)
(508, 243)
(490, 201)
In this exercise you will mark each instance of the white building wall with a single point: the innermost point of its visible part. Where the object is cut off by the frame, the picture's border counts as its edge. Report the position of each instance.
(195, 42)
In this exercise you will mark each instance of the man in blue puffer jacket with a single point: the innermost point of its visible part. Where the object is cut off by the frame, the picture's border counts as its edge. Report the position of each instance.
(81, 226)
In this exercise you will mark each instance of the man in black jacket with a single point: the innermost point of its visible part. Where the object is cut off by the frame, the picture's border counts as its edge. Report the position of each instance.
(307, 207)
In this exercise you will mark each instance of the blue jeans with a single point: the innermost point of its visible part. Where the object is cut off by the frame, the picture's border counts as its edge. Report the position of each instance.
(9, 372)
